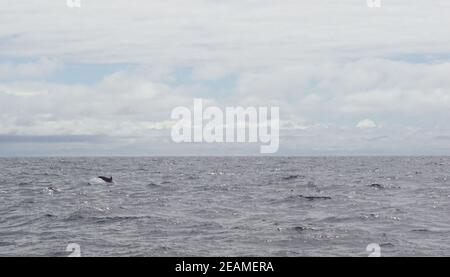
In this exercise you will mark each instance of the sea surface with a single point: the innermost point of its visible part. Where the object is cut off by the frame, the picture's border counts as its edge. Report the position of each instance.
(225, 206)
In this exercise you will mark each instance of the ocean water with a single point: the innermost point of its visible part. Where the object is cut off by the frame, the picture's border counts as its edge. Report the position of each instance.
(225, 206)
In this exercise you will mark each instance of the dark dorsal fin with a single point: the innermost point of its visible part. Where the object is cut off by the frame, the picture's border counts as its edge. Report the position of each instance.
(106, 179)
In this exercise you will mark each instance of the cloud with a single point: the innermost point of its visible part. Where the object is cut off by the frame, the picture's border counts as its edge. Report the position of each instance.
(118, 105)
(235, 33)
(326, 64)
(40, 68)
(50, 139)
(314, 99)
(209, 72)
(366, 124)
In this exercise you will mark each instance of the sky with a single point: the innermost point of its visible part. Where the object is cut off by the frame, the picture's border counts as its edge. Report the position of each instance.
(102, 79)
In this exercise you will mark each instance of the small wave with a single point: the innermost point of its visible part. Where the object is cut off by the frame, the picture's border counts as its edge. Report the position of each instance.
(153, 185)
(28, 201)
(75, 217)
(5, 243)
(313, 198)
(382, 187)
(24, 184)
(420, 230)
(295, 198)
(96, 181)
(292, 177)
(99, 216)
(21, 221)
(113, 219)
(311, 184)
(51, 190)
(86, 211)
(301, 229)
(441, 179)
(370, 216)
(298, 229)
(387, 245)
(427, 230)
(336, 219)
(216, 173)
(376, 186)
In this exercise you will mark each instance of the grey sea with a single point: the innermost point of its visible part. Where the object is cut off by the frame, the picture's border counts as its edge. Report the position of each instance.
(225, 206)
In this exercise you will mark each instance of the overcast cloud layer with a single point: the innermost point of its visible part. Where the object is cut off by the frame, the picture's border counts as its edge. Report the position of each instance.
(103, 79)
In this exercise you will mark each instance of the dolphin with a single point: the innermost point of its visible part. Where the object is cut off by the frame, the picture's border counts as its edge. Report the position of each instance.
(106, 179)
